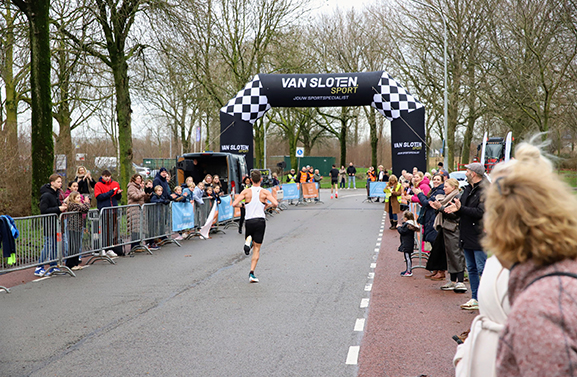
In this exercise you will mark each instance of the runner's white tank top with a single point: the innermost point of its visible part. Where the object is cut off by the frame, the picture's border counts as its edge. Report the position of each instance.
(255, 209)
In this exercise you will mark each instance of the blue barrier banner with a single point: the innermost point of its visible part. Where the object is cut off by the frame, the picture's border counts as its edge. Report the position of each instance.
(225, 210)
(290, 191)
(182, 216)
(376, 189)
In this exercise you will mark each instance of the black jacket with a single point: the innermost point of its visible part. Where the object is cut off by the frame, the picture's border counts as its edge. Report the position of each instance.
(159, 199)
(84, 184)
(160, 180)
(49, 202)
(471, 212)
(351, 170)
(429, 213)
(407, 232)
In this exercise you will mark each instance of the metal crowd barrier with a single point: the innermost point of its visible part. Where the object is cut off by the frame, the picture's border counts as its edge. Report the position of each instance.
(38, 243)
(156, 223)
(75, 237)
(51, 239)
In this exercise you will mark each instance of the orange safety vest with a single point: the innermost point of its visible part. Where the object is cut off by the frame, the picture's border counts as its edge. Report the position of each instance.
(372, 176)
(304, 177)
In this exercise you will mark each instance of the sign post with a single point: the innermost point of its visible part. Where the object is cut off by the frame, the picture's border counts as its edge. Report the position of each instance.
(300, 152)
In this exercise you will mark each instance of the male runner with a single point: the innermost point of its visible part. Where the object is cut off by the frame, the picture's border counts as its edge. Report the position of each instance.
(334, 181)
(256, 201)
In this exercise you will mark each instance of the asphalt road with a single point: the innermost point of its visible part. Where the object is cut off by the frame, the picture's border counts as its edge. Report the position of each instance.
(190, 311)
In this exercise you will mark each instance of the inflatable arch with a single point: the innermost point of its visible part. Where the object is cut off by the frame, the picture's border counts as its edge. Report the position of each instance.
(378, 89)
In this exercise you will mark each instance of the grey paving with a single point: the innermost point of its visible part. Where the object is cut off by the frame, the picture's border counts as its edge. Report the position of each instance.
(190, 311)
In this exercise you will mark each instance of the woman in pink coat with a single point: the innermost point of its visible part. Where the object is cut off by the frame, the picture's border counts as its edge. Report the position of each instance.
(422, 183)
(531, 227)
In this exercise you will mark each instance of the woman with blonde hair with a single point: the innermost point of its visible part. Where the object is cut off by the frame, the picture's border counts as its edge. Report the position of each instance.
(393, 193)
(531, 227)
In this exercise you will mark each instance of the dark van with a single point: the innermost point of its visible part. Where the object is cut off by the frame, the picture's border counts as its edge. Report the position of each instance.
(230, 168)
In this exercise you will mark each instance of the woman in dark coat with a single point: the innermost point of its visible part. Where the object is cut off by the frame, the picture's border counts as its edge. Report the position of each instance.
(437, 261)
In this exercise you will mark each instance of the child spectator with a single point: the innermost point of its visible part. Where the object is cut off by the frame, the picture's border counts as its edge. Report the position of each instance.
(407, 232)
(177, 195)
(72, 186)
(216, 193)
(188, 188)
(197, 195)
(75, 226)
(157, 196)
(209, 192)
(216, 182)
(207, 181)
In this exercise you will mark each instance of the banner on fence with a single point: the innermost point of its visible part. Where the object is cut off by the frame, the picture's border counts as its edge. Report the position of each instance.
(225, 210)
(290, 191)
(376, 189)
(182, 216)
(310, 190)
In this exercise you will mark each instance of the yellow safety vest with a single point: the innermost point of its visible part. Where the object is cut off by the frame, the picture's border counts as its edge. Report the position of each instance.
(388, 195)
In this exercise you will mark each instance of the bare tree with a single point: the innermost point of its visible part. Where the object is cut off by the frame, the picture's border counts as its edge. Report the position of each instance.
(534, 48)
(37, 13)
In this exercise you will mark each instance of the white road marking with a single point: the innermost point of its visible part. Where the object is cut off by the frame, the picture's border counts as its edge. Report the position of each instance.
(368, 287)
(379, 239)
(353, 355)
(378, 244)
(371, 275)
(360, 324)
(377, 249)
(373, 265)
(364, 303)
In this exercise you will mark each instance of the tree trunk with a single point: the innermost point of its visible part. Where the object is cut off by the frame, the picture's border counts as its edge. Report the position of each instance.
(11, 107)
(124, 118)
(37, 13)
(371, 116)
(343, 143)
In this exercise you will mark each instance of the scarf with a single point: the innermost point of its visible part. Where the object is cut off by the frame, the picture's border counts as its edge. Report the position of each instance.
(444, 200)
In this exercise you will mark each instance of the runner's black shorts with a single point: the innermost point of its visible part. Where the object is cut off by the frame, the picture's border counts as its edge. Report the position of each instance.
(255, 228)
(333, 181)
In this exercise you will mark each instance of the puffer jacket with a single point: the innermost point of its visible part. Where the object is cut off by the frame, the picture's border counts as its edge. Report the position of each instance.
(430, 233)
(407, 232)
(425, 187)
(49, 200)
(105, 194)
(540, 337)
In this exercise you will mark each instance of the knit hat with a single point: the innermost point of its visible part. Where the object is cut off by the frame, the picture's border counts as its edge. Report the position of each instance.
(162, 169)
(476, 167)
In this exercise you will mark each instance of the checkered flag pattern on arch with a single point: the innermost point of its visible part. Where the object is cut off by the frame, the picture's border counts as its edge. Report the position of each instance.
(250, 104)
(393, 98)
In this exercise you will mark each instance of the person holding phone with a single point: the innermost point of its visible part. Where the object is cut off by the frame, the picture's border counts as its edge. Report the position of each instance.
(84, 180)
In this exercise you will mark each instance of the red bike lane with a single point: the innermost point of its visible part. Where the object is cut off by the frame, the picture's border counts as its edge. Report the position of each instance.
(411, 321)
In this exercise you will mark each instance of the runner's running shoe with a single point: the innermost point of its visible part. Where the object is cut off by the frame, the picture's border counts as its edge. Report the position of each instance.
(407, 273)
(252, 278)
(39, 271)
(247, 245)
